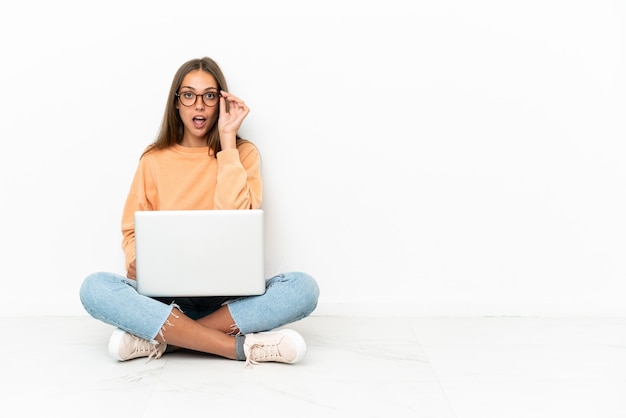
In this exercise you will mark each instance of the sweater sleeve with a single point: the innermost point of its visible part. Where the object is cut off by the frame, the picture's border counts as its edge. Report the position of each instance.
(239, 184)
(134, 201)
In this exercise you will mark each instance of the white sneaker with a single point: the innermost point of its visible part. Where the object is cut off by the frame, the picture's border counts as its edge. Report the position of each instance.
(124, 346)
(283, 346)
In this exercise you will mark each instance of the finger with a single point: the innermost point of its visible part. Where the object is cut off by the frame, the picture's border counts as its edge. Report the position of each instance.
(223, 109)
(232, 98)
(237, 103)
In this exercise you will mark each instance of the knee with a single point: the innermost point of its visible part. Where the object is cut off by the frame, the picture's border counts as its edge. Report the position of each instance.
(95, 287)
(305, 290)
(309, 286)
(89, 289)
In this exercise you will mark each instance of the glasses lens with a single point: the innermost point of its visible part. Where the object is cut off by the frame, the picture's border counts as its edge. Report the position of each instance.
(210, 99)
(187, 98)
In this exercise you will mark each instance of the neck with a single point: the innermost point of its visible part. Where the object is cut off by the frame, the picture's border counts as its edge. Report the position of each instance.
(193, 141)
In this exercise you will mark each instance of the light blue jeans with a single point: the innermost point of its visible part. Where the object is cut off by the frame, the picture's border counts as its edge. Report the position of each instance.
(114, 299)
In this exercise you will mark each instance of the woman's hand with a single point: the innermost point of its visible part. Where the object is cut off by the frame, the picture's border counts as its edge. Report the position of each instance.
(230, 120)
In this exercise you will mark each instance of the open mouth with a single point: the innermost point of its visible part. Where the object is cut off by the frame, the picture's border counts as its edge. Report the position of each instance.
(199, 121)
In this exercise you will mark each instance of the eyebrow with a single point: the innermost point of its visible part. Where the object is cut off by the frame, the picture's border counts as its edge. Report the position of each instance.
(191, 88)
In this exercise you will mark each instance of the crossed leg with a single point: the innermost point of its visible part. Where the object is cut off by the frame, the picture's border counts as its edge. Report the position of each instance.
(212, 334)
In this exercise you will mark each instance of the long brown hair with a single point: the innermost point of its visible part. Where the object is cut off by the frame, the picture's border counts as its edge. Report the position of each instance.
(172, 128)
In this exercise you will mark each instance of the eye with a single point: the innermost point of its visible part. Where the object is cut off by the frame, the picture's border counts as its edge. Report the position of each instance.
(187, 95)
(210, 96)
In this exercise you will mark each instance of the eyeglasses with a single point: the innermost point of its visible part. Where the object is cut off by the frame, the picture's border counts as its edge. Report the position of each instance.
(187, 98)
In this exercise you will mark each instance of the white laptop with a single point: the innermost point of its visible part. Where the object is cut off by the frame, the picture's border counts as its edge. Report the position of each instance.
(189, 253)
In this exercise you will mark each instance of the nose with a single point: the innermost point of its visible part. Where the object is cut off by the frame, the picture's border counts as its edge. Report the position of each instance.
(199, 102)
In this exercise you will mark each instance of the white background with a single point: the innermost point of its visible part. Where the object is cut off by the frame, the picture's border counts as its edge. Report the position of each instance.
(419, 157)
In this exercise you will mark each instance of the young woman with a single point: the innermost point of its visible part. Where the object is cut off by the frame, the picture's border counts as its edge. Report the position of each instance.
(198, 161)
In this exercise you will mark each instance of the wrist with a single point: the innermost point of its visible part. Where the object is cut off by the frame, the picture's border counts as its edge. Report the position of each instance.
(228, 141)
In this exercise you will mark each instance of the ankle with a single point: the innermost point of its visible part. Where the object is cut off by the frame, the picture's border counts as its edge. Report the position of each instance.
(240, 353)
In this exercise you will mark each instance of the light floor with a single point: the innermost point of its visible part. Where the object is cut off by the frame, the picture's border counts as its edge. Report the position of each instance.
(355, 367)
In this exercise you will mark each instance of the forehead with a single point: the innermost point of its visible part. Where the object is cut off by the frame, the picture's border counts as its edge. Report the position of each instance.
(199, 80)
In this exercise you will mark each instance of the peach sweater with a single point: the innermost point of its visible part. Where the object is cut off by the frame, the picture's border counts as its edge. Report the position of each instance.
(189, 178)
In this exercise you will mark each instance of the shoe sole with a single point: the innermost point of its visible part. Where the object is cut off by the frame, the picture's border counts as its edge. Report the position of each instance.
(114, 344)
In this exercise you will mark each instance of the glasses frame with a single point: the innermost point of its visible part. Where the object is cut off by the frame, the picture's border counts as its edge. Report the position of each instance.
(177, 95)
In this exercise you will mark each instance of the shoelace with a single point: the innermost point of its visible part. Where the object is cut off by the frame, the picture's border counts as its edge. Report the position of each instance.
(262, 352)
(142, 346)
